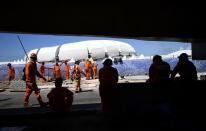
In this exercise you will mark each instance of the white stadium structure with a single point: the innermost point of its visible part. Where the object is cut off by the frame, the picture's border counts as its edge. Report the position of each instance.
(97, 49)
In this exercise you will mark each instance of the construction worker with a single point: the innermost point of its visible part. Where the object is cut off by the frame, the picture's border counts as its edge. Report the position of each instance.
(88, 69)
(57, 70)
(76, 74)
(94, 66)
(53, 72)
(108, 78)
(31, 72)
(159, 70)
(66, 70)
(11, 72)
(60, 98)
(185, 68)
(41, 71)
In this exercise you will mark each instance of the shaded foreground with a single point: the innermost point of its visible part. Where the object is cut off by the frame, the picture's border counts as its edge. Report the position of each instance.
(170, 105)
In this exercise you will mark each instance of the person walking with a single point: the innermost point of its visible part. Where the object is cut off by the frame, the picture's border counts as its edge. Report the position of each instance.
(31, 86)
(11, 73)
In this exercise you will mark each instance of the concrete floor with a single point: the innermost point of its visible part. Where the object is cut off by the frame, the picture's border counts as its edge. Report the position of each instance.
(13, 96)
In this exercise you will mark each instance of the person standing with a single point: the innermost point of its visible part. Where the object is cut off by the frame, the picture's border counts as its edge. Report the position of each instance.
(11, 73)
(66, 70)
(57, 70)
(76, 75)
(31, 86)
(88, 69)
(108, 78)
(42, 71)
(94, 66)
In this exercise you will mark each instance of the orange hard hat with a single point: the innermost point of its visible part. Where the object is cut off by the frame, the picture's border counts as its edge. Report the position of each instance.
(33, 55)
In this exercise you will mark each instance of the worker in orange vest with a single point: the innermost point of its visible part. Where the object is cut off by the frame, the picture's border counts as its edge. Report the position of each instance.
(31, 72)
(41, 71)
(66, 70)
(94, 65)
(88, 69)
(57, 70)
(54, 75)
(11, 72)
(76, 75)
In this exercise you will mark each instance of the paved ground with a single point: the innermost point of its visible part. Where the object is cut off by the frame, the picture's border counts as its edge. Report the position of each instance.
(13, 97)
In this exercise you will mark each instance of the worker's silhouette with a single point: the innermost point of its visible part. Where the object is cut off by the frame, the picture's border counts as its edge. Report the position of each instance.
(60, 98)
(185, 68)
(108, 78)
(159, 70)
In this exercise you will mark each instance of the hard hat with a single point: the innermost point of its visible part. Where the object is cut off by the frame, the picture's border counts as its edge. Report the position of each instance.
(33, 55)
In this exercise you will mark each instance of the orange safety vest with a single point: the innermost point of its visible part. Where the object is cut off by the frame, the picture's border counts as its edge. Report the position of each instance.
(76, 70)
(66, 70)
(57, 70)
(86, 65)
(30, 71)
(95, 67)
(11, 73)
(41, 70)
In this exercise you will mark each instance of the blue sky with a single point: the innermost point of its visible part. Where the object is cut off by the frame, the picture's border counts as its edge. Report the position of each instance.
(10, 48)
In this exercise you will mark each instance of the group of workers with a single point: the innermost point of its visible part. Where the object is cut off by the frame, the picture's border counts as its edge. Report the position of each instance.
(159, 70)
(60, 98)
(90, 68)
(90, 71)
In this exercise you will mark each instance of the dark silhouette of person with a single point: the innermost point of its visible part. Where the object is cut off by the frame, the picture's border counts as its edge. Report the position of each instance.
(108, 78)
(185, 68)
(159, 70)
(60, 98)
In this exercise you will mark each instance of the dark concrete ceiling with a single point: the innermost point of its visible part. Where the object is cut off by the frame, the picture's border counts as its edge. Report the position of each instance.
(157, 19)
